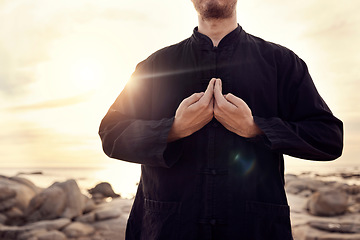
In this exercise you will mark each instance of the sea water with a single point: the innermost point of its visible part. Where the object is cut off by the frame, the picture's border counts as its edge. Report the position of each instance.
(124, 177)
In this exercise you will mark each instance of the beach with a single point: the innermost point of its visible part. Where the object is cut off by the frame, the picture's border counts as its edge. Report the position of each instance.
(323, 206)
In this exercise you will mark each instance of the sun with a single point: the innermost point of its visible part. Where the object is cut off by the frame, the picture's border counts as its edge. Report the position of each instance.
(86, 73)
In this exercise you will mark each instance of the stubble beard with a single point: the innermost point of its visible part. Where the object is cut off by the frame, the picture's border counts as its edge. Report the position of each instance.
(212, 9)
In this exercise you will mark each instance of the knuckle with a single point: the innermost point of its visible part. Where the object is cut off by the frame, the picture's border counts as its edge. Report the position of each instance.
(233, 110)
(202, 105)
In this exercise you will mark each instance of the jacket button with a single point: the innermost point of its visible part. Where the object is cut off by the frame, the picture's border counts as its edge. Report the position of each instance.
(213, 172)
(212, 221)
(215, 124)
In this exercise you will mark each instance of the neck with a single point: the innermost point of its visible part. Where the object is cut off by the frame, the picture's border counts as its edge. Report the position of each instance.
(217, 29)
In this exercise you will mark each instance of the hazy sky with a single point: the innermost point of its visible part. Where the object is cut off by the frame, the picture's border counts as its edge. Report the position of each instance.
(62, 64)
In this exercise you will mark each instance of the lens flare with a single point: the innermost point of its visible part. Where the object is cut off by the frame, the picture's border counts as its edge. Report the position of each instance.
(244, 164)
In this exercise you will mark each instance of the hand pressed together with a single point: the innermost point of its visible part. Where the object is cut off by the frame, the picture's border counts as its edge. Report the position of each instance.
(193, 113)
(197, 110)
(233, 113)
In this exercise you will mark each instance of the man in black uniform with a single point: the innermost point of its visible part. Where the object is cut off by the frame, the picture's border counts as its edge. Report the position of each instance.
(209, 119)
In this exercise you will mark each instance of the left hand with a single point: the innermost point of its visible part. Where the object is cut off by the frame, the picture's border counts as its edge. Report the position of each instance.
(233, 113)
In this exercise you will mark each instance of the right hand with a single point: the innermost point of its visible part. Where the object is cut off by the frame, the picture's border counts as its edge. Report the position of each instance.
(193, 113)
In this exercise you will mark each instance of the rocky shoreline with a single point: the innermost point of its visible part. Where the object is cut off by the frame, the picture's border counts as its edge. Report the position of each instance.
(320, 210)
(323, 210)
(60, 212)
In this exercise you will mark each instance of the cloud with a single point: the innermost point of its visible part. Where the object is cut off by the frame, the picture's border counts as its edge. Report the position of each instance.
(55, 103)
(27, 144)
(29, 29)
(24, 41)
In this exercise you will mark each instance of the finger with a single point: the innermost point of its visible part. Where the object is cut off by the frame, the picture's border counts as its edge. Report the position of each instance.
(218, 79)
(209, 91)
(219, 98)
(192, 99)
(236, 101)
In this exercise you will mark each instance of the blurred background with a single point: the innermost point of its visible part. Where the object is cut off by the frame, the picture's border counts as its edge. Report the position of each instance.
(63, 63)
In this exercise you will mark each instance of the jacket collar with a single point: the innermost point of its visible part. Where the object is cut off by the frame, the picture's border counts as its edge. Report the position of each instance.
(205, 42)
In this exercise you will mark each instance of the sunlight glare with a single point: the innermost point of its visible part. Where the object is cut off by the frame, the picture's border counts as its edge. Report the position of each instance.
(86, 74)
(119, 171)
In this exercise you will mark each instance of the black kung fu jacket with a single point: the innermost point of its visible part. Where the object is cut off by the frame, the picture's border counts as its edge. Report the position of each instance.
(215, 179)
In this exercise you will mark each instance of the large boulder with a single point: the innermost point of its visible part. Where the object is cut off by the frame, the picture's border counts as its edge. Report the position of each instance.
(328, 202)
(16, 192)
(49, 204)
(74, 199)
(59, 200)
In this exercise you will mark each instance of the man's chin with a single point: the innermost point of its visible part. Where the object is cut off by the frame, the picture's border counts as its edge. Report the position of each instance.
(215, 10)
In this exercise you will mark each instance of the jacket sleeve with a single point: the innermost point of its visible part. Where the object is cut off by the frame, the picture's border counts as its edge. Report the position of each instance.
(128, 131)
(305, 127)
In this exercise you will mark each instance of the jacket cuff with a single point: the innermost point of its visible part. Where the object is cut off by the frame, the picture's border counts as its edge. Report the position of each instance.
(269, 137)
(171, 151)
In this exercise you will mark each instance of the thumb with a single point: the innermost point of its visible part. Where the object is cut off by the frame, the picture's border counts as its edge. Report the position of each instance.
(192, 99)
(209, 90)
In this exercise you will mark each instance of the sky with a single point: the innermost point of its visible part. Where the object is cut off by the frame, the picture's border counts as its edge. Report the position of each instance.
(63, 63)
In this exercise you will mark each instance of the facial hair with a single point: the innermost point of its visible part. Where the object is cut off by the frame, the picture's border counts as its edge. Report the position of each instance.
(213, 9)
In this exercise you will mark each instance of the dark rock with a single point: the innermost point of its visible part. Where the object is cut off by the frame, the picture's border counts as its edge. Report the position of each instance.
(14, 216)
(357, 198)
(7, 204)
(98, 198)
(352, 190)
(87, 218)
(336, 227)
(327, 202)
(305, 193)
(350, 175)
(3, 218)
(30, 173)
(105, 189)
